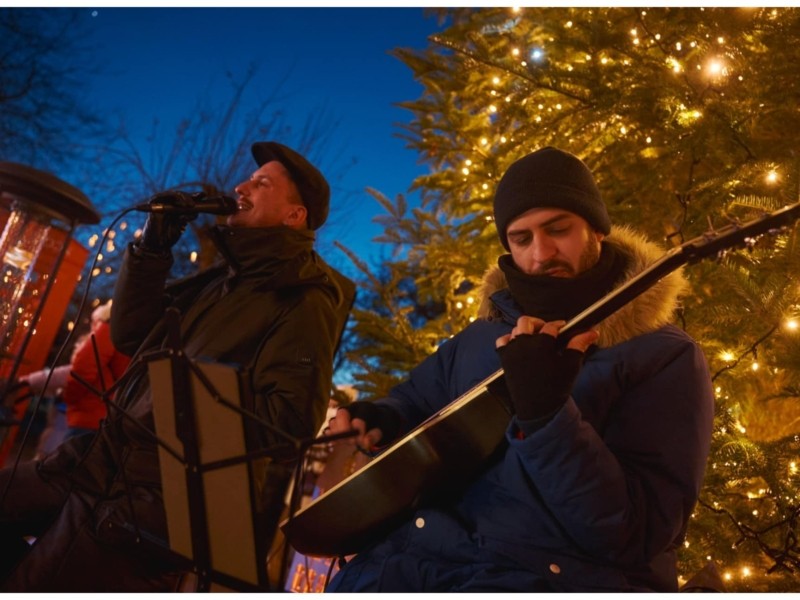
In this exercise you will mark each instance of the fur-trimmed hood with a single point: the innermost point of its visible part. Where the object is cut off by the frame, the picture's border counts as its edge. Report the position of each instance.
(649, 311)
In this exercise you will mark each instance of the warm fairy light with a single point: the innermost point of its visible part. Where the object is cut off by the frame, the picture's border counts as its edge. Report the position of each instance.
(793, 468)
(459, 305)
(496, 81)
(728, 576)
(123, 226)
(492, 108)
(792, 325)
(755, 366)
(623, 130)
(470, 300)
(468, 162)
(485, 186)
(772, 176)
(745, 571)
(675, 65)
(678, 46)
(465, 171)
(649, 139)
(721, 40)
(503, 139)
(70, 325)
(727, 356)
(515, 51)
(484, 141)
(716, 67)
(193, 256)
(568, 24)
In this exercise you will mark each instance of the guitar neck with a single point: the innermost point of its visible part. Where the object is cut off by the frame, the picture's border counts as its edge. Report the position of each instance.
(623, 294)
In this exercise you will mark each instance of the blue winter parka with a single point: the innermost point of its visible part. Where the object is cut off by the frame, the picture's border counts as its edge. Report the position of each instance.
(599, 499)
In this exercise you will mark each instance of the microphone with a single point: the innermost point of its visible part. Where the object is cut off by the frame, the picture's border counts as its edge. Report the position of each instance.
(189, 204)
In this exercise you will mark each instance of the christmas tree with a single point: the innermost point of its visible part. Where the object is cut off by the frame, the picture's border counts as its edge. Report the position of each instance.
(689, 119)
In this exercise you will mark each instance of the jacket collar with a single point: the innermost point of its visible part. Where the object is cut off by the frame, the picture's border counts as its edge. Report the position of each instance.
(652, 309)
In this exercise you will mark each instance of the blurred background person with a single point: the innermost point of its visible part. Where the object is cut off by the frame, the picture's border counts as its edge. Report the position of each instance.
(91, 375)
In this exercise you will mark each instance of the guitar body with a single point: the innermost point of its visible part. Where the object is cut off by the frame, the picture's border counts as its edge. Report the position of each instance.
(430, 462)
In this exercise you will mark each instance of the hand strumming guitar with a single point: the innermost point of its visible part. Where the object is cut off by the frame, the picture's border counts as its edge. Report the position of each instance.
(376, 424)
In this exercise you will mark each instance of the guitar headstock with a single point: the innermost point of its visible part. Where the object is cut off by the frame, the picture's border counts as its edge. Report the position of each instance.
(715, 242)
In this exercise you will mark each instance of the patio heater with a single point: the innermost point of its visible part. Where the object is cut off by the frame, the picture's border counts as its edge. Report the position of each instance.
(40, 262)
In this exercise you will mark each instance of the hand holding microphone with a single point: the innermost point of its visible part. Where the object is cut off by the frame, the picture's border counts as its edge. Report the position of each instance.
(170, 212)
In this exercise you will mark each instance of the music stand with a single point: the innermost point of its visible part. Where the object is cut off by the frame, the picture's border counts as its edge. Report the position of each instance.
(209, 489)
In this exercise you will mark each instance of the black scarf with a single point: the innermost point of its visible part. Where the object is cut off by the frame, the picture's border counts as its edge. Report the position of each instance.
(559, 298)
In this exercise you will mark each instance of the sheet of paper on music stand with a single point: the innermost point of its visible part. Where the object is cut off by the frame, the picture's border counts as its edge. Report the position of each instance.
(220, 435)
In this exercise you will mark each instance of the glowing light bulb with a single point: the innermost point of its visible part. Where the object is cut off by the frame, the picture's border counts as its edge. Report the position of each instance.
(716, 67)
(755, 366)
(515, 51)
(727, 356)
(772, 176)
(792, 325)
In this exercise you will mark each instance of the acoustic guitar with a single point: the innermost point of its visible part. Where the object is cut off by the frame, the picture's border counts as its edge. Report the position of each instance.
(447, 450)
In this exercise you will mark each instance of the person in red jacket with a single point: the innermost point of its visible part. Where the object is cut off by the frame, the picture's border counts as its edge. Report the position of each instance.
(91, 375)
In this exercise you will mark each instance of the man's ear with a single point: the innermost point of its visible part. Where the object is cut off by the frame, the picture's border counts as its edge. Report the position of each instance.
(297, 216)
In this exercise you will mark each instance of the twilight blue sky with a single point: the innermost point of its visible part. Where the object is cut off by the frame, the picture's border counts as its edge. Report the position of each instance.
(157, 62)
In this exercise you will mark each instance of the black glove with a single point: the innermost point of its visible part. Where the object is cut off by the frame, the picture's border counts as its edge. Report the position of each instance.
(162, 230)
(539, 377)
(376, 416)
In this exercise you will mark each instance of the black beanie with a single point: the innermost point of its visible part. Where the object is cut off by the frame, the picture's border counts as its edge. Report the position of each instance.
(548, 178)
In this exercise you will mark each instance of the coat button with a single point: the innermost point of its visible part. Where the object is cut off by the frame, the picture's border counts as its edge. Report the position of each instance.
(554, 568)
(420, 523)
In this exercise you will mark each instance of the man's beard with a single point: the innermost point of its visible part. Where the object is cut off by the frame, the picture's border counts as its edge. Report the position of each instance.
(588, 259)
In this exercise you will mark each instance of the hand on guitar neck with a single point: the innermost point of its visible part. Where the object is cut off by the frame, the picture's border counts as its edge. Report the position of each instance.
(538, 374)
